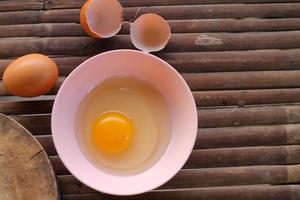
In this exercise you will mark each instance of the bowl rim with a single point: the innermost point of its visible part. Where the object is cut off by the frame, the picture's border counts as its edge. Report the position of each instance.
(156, 183)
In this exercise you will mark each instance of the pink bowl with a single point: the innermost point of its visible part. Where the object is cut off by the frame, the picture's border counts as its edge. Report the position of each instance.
(137, 64)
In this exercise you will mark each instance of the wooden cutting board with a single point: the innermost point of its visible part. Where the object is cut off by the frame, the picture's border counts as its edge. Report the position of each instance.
(25, 170)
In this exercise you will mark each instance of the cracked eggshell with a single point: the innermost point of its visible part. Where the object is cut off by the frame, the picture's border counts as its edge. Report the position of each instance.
(150, 32)
(101, 18)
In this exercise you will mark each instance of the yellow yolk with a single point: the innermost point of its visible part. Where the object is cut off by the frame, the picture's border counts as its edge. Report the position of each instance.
(112, 133)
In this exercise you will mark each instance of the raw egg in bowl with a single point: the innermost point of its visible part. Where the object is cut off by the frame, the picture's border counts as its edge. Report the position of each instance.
(124, 122)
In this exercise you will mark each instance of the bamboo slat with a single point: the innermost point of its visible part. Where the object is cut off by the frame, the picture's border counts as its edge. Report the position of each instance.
(54, 4)
(277, 174)
(134, 3)
(15, 5)
(229, 137)
(194, 178)
(209, 158)
(247, 136)
(39, 16)
(188, 2)
(203, 99)
(207, 118)
(242, 80)
(254, 60)
(246, 97)
(177, 26)
(41, 30)
(226, 137)
(262, 192)
(225, 81)
(276, 10)
(230, 41)
(228, 157)
(228, 25)
(12, 47)
(265, 115)
(244, 156)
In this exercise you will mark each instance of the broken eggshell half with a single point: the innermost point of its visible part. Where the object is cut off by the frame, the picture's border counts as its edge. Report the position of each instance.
(101, 18)
(150, 32)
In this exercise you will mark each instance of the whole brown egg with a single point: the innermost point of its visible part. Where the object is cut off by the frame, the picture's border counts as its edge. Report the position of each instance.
(30, 75)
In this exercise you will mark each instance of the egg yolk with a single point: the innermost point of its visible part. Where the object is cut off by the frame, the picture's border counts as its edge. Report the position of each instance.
(112, 133)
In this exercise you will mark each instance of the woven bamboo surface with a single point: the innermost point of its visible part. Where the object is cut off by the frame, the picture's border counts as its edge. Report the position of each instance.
(241, 59)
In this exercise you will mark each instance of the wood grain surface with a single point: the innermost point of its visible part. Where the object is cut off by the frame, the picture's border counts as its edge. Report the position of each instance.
(25, 170)
(241, 59)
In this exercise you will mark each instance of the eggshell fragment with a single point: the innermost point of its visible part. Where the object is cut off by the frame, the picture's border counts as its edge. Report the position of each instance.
(30, 75)
(101, 18)
(150, 32)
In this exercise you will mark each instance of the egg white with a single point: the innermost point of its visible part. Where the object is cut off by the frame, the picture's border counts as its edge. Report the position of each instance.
(146, 109)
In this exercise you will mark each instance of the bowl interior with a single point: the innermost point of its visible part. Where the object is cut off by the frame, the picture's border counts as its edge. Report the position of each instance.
(138, 65)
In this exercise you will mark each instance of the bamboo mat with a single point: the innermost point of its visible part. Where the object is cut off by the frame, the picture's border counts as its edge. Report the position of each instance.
(241, 58)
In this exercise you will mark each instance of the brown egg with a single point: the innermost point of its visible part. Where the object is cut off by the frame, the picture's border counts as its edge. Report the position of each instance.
(30, 75)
